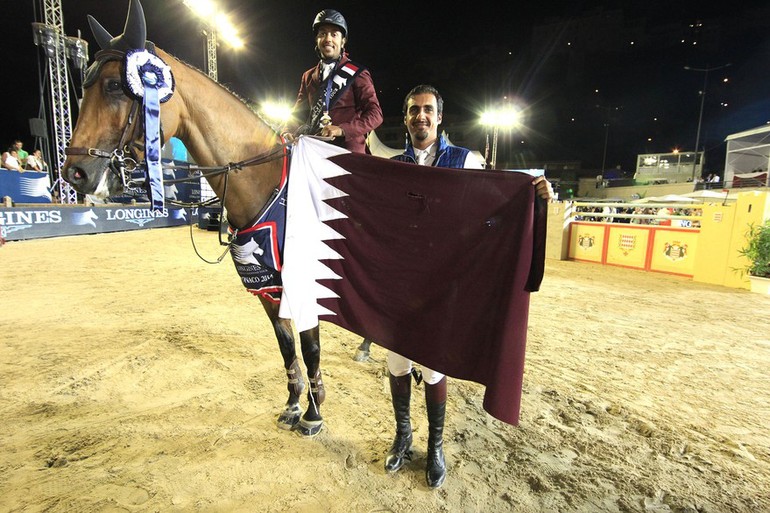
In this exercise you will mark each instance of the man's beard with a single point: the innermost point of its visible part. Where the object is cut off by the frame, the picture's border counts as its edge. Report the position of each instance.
(421, 134)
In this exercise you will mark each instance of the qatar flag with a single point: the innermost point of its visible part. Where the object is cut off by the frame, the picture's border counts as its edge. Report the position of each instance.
(435, 264)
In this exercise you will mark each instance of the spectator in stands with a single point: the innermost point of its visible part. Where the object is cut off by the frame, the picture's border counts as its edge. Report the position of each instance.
(35, 161)
(664, 211)
(22, 152)
(11, 160)
(608, 210)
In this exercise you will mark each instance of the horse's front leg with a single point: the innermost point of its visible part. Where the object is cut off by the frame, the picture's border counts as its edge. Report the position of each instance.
(311, 422)
(292, 411)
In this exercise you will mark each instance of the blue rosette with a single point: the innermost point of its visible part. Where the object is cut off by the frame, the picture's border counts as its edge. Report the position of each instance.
(149, 79)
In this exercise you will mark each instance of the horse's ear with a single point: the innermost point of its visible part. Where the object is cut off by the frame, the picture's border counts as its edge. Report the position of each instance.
(134, 34)
(101, 35)
(135, 30)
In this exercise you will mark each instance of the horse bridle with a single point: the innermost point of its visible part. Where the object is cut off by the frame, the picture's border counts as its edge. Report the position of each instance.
(123, 160)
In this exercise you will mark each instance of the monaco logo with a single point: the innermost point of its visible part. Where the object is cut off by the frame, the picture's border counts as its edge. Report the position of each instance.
(675, 250)
(586, 241)
(627, 243)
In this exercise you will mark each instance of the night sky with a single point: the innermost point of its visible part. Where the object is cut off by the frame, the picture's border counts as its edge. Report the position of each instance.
(475, 55)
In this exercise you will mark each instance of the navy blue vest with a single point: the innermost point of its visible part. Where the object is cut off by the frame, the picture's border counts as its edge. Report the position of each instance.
(447, 156)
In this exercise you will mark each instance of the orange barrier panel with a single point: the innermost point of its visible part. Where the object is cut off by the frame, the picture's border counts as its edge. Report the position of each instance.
(673, 251)
(646, 247)
(627, 245)
(587, 242)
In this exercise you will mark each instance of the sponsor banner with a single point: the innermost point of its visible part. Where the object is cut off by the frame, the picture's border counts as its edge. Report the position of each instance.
(23, 223)
(26, 187)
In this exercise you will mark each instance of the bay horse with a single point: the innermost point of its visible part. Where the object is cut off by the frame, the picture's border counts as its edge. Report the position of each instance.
(217, 128)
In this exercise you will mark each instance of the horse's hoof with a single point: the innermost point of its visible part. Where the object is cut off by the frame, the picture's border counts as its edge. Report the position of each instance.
(361, 356)
(309, 428)
(289, 417)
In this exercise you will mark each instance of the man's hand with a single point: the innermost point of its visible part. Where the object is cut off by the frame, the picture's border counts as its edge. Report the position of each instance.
(543, 188)
(332, 131)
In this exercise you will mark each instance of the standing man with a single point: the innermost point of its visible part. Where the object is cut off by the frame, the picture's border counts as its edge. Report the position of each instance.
(423, 110)
(337, 97)
(22, 152)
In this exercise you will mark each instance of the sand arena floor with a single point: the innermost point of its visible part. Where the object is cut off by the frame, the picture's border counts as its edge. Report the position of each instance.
(135, 377)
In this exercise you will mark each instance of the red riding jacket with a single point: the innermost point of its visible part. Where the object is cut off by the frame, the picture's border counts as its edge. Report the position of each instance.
(357, 111)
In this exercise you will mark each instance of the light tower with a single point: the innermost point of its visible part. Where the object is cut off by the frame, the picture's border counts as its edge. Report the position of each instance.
(50, 37)
(215, 24)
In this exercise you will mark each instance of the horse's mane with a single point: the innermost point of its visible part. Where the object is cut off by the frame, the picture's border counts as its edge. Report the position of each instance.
(198, 70)
(246, 102)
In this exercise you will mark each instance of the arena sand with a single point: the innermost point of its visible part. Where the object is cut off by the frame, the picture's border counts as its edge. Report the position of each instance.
(137, 378)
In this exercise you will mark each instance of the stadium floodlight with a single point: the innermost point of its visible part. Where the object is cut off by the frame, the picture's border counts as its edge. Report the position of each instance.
(507, 117)
(46, 37)
(216, 25)
(77, 51)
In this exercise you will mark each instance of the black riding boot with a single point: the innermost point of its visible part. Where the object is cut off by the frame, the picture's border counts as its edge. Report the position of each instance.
(401, 450)
(435, 403)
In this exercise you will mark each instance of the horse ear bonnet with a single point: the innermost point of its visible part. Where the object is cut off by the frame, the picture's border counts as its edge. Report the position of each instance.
(134, 32)
(134, 36)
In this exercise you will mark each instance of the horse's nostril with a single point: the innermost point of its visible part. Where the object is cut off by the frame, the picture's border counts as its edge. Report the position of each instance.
(75, 175)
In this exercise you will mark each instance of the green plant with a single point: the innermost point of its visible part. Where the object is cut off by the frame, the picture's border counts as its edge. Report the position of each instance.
(757, 250)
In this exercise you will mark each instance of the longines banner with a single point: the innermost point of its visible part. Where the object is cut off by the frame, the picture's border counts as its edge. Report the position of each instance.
(22, 223)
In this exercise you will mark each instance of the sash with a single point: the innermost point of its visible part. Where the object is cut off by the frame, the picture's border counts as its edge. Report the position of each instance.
(331, 90)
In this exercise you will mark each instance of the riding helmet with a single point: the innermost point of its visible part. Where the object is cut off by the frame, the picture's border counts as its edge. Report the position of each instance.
(331, 17)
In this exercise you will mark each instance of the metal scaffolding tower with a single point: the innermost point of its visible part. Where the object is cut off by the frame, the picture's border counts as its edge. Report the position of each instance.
(60, 95)
(211, 52)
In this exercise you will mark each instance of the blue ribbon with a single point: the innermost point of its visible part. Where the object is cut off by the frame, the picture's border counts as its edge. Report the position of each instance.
(329, 86)
(329, 89)
(152, 82)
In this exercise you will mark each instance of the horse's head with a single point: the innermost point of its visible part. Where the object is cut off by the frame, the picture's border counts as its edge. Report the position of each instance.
(107, 137)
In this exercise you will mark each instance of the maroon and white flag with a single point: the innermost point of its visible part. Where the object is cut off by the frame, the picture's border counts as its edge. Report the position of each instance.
(435, 264)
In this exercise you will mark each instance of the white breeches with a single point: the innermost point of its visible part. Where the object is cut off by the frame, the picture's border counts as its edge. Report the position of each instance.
(400, 366)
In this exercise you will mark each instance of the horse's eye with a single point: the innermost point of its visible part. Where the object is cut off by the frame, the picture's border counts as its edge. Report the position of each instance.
(113, 86)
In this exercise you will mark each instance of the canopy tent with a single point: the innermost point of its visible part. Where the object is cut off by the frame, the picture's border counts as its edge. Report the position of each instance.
(669, 198)
(756, 179)
(706, 194)
(748, 158)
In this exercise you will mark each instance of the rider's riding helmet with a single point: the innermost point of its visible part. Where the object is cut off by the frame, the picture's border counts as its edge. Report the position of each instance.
(331, 17)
